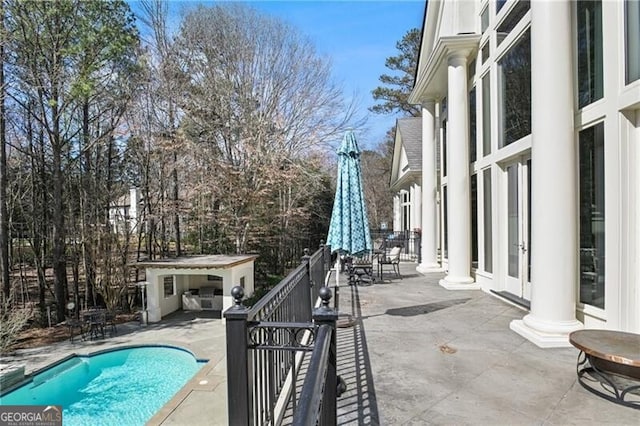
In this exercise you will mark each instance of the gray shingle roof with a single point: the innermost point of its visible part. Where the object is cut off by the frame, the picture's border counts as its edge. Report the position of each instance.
(410, 129)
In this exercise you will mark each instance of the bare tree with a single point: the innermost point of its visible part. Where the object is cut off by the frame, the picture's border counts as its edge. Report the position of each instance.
(163, 64)
(4, 214)
(257, 95)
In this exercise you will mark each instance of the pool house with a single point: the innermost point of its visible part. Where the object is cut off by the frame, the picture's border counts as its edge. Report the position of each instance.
(195, 283)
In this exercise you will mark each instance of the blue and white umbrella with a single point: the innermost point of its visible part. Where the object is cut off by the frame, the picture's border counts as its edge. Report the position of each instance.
(349, 227)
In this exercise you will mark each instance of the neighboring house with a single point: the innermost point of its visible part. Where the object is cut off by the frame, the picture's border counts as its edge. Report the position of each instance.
(406, 175)
(124, 212)
(531, 147)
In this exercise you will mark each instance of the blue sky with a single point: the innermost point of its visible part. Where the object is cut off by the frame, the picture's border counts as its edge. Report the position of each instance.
(357, 35)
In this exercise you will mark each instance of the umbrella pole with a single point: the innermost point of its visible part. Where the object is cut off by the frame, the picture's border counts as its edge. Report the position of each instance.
(337, 297)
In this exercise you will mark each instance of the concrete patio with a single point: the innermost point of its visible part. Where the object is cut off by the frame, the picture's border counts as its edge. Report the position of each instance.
(422, 355)
(416, 354)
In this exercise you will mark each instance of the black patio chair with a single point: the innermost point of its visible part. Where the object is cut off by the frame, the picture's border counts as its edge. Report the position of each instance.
(360, 269)
(110, 322)
(73, 323)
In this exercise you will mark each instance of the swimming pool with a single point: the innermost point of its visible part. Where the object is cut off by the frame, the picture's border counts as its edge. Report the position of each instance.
(118, 387)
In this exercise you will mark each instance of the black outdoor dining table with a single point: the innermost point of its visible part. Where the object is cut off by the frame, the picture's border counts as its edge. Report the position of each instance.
(95, 319)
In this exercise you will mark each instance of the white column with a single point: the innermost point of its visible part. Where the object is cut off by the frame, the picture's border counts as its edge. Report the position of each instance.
(416, 204)
(396, 213)
(153, 296)
(429, 238)
(554, 245)
(458, 192)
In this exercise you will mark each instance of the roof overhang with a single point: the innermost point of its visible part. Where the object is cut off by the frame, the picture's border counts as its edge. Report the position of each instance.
(432, 82)
(217, 261)
(406, 180)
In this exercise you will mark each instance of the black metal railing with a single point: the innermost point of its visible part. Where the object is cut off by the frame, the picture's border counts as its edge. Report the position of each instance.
(265, 343)
(319, 391)
(408, 240)
(319, 265)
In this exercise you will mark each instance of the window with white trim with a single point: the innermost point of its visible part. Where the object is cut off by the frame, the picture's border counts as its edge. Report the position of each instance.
(169, 284)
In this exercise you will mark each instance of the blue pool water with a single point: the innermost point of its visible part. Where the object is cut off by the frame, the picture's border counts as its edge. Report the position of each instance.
(120, 387)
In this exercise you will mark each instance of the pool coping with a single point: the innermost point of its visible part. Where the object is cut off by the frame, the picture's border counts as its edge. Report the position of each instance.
(202, 381)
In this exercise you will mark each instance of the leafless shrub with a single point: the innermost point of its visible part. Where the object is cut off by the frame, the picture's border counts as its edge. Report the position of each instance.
(12, 322)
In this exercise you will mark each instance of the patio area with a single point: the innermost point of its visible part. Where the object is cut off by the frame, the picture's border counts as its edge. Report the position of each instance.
(416, 354)
(423, 355)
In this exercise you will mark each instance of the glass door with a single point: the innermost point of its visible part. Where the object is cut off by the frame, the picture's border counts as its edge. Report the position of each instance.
(518, 223)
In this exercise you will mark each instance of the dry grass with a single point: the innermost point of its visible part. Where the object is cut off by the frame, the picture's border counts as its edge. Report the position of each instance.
(37, 337)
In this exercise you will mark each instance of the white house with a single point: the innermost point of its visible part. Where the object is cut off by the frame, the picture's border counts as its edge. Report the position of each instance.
(531, 146)
(123, 213)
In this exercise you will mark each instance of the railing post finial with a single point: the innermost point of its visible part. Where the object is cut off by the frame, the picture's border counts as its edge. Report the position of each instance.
(325, 296)
(237, 293)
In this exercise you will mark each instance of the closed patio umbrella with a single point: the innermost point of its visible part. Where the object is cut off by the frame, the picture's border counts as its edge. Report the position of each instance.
(349, 227)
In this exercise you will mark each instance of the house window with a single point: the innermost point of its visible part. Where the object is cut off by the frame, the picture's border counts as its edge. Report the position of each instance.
(486, 208)
(515, 91)
(592, 216)
(406, 211)
(499, 4)
(484, 19)
(513, 225)
(445, 222)
(632, 40)
(242, 282)
(474, 221)
(471, 70)
(485, 52)
(486, 115)
(444, 147)
(515, 15)
(589, 52)
(169, 286)
(472, 125)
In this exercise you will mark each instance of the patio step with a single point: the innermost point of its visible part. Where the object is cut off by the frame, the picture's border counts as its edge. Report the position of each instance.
(510, 297)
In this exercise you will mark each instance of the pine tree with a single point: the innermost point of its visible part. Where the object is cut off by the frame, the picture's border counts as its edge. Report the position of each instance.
(397, 87)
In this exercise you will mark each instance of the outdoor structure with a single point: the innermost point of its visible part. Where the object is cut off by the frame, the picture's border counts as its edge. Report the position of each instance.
(406, 176)
(531, 146)
(196, 283)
